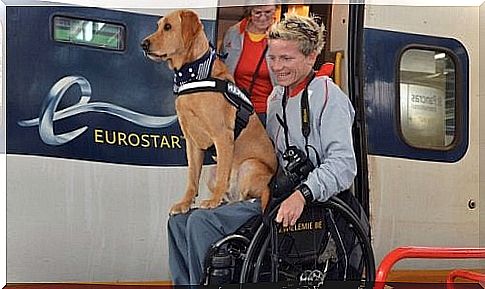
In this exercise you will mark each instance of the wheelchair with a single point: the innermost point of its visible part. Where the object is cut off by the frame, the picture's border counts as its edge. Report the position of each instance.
(330, 243)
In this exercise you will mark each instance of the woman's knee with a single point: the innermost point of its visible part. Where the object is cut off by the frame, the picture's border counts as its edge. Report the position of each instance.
(198, 218)
(203, 221)
(177, 223)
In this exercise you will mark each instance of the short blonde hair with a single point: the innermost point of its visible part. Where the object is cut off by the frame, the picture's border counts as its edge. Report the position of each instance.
(305, 30)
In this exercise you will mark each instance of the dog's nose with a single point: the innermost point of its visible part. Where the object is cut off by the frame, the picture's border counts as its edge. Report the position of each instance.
(145, 44)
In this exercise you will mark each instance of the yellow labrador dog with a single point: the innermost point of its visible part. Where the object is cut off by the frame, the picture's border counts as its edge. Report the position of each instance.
(245, 165)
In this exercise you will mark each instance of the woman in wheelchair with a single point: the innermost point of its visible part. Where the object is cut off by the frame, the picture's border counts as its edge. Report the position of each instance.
(308, 236)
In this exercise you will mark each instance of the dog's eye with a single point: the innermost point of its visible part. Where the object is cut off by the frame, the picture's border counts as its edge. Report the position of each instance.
(167, 27)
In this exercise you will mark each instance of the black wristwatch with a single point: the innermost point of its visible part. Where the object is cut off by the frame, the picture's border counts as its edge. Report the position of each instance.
(306, 192)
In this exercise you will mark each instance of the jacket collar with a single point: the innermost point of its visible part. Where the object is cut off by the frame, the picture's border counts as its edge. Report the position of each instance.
(243, 25)
(300, 86)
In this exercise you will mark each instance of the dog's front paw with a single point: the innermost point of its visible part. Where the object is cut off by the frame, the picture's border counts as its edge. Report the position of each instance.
(210, 203)
(180, 208)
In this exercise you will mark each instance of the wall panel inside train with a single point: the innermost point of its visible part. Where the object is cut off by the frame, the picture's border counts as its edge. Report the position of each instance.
(422, 110)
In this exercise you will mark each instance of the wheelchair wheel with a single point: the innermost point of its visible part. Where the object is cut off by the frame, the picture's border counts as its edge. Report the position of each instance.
(329, 243)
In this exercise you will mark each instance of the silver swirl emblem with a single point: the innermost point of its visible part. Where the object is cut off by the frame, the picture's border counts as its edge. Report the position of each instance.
(48, 114)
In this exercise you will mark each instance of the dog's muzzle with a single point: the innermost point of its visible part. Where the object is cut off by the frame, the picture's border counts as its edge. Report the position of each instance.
(145, 45)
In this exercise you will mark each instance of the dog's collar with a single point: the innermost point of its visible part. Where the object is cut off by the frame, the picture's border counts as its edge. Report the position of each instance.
(197, 70)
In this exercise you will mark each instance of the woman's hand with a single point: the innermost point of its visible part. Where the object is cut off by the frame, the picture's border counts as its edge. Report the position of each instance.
(290, 209)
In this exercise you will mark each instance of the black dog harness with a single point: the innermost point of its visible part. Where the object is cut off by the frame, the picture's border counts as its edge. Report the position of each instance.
(195, 77)
(231, 92)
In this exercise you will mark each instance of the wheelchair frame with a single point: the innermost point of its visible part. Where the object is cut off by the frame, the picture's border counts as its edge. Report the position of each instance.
(252, 248)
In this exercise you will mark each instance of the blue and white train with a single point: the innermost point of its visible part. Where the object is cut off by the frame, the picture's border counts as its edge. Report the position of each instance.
(95, 155)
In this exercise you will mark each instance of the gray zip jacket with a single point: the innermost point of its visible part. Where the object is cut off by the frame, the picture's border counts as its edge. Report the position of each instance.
(232, 45)
(331, 118)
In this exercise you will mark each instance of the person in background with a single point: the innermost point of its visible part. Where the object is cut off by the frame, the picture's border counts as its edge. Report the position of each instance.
(245, 45)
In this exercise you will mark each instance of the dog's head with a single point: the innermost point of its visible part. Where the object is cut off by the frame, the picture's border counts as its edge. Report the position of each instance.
(178, 38)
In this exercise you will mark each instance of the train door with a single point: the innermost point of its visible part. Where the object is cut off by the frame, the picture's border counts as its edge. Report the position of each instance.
(420, 86)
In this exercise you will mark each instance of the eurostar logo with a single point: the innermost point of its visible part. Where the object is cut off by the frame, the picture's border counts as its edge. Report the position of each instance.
(49, 114)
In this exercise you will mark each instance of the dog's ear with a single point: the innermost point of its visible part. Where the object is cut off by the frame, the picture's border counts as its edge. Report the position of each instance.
(191, 25)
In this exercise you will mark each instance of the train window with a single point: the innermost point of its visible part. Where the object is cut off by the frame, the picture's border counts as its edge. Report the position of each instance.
(427, 98)
(88, 32)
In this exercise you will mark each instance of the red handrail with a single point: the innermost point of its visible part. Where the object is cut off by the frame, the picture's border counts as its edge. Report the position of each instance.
(422, 252)
(474, 276)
